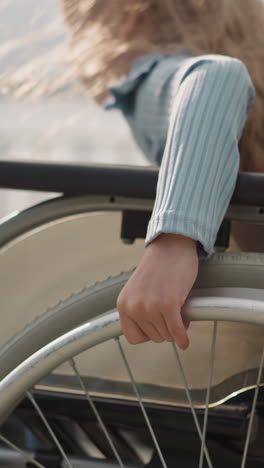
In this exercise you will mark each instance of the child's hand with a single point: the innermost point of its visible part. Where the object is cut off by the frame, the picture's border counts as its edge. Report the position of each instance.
(150, 303)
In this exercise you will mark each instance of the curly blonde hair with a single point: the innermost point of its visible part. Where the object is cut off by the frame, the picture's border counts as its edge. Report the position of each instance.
(108, 35)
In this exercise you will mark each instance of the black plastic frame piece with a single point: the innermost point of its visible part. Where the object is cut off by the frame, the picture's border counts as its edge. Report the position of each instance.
(134, 225)
(129, 181)
(79, 179)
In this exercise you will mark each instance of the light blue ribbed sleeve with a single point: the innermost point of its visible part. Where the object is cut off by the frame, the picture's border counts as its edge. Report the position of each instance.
(201, 158)
(188, 113)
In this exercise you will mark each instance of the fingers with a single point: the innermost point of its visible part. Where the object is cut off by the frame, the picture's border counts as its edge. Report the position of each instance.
(185, 312)
(151, 331)
(136, 329)
(132, 331)
(177, 327)
(160, 325)
(156, 322)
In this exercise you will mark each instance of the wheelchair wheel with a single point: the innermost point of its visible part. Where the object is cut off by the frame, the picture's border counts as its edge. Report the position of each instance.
(240, 270)
(185, 415)
(54, 249)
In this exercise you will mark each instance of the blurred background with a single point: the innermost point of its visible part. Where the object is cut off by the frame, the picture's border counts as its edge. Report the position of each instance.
(44, 112)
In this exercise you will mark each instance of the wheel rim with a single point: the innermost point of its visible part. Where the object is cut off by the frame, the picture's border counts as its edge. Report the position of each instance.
(108, 327)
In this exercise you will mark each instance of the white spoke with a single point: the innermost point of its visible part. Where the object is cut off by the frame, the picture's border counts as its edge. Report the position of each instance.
(97, 415)
(26, 457)
(252, 411)
(154, 439)
(189, 398)
(208, 393)
(51, 432)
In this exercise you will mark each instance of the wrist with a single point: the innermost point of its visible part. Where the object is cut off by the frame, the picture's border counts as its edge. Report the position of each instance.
(171, 241)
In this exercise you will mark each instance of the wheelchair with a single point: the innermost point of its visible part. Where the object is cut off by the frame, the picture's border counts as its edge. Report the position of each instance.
(73, 393)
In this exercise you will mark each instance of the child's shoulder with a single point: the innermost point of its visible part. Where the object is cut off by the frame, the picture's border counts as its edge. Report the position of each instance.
(154, 67)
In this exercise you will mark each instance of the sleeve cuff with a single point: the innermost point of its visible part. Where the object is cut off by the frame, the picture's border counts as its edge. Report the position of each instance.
(177, 223)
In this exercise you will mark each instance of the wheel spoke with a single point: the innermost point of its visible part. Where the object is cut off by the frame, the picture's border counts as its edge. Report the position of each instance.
(208, 393)
(96, 413)
(51, 432)
(189, 398)
(154, 439)
(26, 457)
(250, 424)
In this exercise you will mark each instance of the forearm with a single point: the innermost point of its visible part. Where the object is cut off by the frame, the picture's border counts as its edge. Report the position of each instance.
(201, 159)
